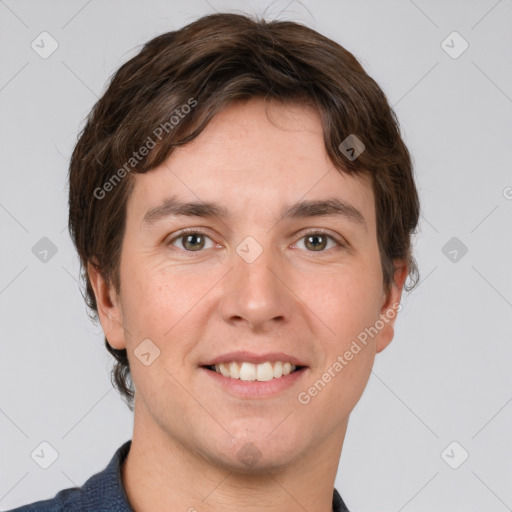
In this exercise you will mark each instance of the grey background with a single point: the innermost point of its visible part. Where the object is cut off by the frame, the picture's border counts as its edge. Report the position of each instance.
(446, 376)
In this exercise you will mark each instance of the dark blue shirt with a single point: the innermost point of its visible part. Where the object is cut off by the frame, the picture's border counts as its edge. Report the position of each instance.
(104, 492)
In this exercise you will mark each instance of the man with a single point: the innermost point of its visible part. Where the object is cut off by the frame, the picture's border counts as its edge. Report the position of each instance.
(242, 204)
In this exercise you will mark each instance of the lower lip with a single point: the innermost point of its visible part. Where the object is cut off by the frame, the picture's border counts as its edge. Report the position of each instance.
(254, 388)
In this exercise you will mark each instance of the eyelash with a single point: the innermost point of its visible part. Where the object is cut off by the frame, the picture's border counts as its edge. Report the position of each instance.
(196, 231)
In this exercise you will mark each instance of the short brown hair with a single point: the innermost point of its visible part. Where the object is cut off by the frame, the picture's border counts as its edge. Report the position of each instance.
(215, 60)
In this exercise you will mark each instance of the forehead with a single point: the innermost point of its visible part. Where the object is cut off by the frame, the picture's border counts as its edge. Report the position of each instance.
(253, 158)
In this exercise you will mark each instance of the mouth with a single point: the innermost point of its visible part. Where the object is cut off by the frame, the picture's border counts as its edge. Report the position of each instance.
(255, 381)
(262, 372)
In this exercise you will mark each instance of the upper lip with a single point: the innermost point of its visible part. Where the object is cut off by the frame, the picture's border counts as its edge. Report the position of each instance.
(249, 357)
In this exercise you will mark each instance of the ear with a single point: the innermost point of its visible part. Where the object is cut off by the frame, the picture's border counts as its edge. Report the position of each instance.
(391, 305)
(109, 310)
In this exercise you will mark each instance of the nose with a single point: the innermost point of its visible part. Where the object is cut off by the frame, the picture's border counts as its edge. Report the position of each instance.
(255, 293)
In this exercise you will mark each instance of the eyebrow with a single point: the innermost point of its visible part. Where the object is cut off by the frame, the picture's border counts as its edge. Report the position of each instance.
(173, 207)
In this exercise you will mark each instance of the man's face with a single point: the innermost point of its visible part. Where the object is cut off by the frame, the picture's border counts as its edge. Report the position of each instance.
(304, 286)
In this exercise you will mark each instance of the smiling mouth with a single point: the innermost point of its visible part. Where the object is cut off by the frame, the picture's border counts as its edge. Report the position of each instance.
(254, 372)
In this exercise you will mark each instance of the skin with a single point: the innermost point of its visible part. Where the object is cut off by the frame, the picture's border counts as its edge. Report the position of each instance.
(254, 157)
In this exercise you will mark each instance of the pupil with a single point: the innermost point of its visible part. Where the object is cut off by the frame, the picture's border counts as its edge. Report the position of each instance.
(193, 237)
(316, 237)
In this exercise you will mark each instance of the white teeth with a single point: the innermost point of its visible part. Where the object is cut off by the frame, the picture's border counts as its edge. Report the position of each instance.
(278, 369)
(260, 372)
(248, 371)
(234, 371)
(264, 372)
(223, 370)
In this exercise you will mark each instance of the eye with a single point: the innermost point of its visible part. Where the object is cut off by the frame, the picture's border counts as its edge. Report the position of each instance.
(316, 241)
(192, 241)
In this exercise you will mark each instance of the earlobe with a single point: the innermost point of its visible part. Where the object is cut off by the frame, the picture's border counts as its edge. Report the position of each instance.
(391, 305)
(107, 303)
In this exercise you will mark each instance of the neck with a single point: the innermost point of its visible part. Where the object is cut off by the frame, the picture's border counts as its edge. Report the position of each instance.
(160, 472)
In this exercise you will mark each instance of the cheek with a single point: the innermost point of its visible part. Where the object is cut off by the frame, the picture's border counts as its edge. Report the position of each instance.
(157, 307)
(349, 307)
(350, 301)
(163, 305)
(155, 296)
